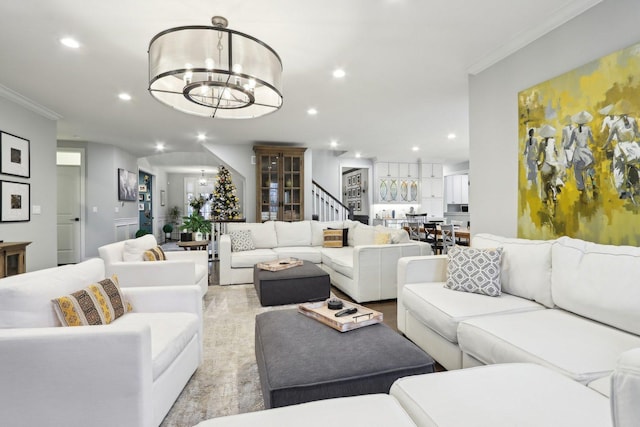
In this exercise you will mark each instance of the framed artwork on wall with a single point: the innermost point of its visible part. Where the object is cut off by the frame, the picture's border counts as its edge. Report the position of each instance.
(163, 197)
(14, 155)
(15, 203)
(127, 182)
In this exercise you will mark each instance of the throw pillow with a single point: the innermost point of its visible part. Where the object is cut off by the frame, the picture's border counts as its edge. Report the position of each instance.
(332, 238)
(345, 235)
(474, 270)
(154, 254)
(382, 238)
(98, 304)
(241, 240)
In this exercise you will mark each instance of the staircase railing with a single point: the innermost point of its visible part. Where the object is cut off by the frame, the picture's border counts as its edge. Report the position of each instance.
(325, 206)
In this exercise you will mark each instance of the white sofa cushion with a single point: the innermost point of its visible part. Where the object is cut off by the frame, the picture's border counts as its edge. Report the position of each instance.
(306, 253)
(442, 309)
(25, 299)
(352, 225)
(523, 395)
(579, 348)
(297, 233)
(341, 255)
(526, 266)
(317, 228)
(398, 235)
(247, 259)
(363, 235)
(263, 233)
(366, 410)
(170, 334)
(598, 281)
(134, 248)
(625, 390)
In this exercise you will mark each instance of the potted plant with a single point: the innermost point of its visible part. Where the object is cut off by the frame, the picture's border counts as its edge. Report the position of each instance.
(195, 225)
(174, 214)
(141, 233)
(167, 228)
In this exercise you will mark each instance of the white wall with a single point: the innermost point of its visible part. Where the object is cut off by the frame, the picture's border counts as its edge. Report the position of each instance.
(41, 230)
(493, 109)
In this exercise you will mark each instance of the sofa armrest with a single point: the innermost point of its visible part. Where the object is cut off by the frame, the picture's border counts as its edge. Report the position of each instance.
(625, 390)
(166, 299)
(199, 257)
(154, 273)
(416, 270)
(77, 376)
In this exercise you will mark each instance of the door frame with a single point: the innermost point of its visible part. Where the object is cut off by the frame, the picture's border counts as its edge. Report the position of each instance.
(83, 215)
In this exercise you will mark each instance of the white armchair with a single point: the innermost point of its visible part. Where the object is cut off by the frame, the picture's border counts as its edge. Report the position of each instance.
(127, 373)
(124, 258)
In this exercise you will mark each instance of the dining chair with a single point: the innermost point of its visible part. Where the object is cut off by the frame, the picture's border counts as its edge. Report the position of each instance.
(448, 235)
(431, 236)
(413, 228)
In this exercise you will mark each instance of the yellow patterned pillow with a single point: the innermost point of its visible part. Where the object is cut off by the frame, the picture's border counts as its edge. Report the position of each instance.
(98, 304)
(382, 238)
(154, 254)
(332, 239)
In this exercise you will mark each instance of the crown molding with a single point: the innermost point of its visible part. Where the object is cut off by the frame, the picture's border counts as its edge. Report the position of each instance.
(25, 102)
(522, 39)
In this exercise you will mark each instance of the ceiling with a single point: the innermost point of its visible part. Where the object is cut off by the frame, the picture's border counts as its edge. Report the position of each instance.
(406, 61)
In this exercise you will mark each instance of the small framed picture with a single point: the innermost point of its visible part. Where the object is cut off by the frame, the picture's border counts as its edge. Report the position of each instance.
(358, 179)
(142, 188)
(358, 205)
(358, 192)
(14, 155)
(349, 181)
(15, 203)
(140, 206)
(163, 197)
(141, 197)
(148, 197)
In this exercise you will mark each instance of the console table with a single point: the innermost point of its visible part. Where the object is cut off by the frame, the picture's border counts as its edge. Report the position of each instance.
(12, 258)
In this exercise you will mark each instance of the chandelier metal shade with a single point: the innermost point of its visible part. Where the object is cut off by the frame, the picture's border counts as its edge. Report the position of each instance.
(212, 71)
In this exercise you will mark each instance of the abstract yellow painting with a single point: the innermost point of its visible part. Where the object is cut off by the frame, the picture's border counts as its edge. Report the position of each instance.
(579, 153)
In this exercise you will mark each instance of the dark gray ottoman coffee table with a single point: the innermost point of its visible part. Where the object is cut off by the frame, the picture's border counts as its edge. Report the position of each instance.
(303, 283)
(301, 360)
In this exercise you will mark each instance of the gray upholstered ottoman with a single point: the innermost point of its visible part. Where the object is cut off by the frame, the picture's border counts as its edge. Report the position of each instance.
(301, 360)
(304, 283)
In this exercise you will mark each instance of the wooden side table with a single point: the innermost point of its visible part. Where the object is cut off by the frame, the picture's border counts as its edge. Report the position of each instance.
(195, 245)
(12, 258)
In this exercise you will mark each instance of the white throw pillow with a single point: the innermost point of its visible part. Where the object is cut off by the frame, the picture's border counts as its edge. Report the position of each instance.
(134, 248)
(474, 270)
(362, 235)
(241, 240)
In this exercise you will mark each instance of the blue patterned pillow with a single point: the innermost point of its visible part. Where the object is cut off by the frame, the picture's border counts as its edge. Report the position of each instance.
(474, 270)
(241, 240)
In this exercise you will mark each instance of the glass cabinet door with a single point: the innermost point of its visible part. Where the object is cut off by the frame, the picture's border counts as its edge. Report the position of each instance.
(292, 188)
(269, 185)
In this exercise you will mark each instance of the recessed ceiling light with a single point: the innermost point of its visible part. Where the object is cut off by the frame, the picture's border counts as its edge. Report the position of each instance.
(451, 136)
(339, 73)
(202, 136)
(312, 111)
(415, 148)
(160, 146)
(334, 144)
(357, 155)
(69, 42)
(124, 96)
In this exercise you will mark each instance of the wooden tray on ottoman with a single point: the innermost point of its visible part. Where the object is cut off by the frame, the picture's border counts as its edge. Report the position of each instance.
(279, 264)
(320, 312)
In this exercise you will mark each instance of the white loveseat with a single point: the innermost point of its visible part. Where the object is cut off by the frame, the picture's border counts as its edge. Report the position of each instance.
(567, 304)
(126, 373)
(363, 270)
(124, 258)
(505, 395)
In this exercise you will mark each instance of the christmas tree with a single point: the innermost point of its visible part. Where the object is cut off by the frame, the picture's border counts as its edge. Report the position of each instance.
(225, 204)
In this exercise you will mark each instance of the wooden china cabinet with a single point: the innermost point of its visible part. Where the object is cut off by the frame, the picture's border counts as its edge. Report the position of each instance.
(279, 183)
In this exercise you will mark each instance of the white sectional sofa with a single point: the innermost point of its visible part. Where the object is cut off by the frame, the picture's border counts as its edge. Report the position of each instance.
(567, 304)
(505, 395)
(126, 373)
(124, 258)
(363, 270)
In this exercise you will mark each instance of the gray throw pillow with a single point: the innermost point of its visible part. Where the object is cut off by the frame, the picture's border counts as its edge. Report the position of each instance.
(241, 240)
(474, 270)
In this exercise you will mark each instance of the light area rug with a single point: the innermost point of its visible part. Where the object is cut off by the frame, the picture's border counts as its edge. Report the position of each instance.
(227, 381)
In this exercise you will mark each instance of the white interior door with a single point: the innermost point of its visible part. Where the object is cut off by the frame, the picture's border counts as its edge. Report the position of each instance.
(69, 213)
